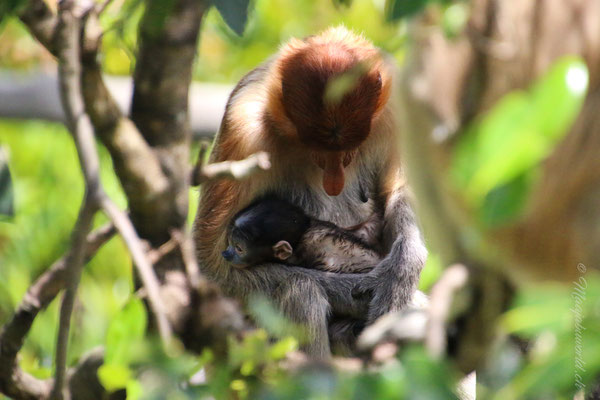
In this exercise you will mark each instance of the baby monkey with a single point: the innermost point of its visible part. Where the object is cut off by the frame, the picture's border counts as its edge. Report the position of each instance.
(274, 230)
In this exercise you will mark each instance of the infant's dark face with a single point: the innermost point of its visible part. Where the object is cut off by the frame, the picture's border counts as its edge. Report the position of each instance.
(243, 253)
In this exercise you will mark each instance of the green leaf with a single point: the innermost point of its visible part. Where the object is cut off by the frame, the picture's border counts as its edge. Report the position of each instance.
(504, 202)
(234, 12)
(397, 9)
(127, 328)
(429, 379)
(284, 346)
(134, 390)
(114, 376)
(455, 19)
(6, 188)
(8, 7)
(497, 153)
(155, 16)
(345, 3)
(541, 307)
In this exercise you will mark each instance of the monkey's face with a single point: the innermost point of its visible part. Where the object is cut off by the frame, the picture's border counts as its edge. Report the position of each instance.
(237, 253)
(332, 127)
(333, 164)
(246, 249)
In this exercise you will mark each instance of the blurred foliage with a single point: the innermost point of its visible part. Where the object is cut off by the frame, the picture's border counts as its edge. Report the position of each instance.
(397, 9)
(498, 157)
(48, 189)
(559, 325)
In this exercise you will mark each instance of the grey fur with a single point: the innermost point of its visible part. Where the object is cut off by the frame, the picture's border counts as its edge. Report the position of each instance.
(327, 247)
(312, 296)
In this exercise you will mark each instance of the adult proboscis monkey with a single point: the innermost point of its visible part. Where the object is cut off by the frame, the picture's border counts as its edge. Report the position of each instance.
(329, 155)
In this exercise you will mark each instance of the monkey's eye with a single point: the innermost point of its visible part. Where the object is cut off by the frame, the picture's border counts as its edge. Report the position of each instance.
(238, 248)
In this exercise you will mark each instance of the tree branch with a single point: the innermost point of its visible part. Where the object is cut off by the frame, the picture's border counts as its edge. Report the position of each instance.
(230, 169)
(69, 71)
(440, 304)
(168, 36)
(41, 21)
(13, 381)
(142, 263)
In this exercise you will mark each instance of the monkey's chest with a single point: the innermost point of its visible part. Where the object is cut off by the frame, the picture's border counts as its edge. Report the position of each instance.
(351, 207)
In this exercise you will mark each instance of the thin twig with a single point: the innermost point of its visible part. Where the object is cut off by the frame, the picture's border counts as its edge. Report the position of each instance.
(188, 253)
(231, 169)
(74, 266)
(68, 44)
(155, 255)
(440, 303)
(13, 381)
(135, 245)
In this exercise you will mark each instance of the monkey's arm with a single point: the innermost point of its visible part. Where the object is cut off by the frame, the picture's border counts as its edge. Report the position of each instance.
(369, 231)
(394, 280)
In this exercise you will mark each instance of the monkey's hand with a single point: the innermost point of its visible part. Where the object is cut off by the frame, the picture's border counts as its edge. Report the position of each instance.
(392, 283)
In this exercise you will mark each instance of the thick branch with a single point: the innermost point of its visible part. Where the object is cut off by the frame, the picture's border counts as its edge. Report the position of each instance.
(168, 36)
(41, 21)
(135, 162)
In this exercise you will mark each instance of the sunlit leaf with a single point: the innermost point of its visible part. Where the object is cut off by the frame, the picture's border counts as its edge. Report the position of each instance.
(455, 18)
(539, 308)
(284, 346)
(114, 376)
(345, 3)
(127, 328)
(134, 390)
(514, 137)
(431, 272)
(234, 12)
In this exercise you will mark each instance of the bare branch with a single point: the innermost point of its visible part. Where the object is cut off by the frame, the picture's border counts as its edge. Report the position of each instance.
(41, 21)
(74, 265)
(69, 67)
(188, 253)
(142, 263)
(442, 293)
(155, 255)
(13, 381)
(231, 169)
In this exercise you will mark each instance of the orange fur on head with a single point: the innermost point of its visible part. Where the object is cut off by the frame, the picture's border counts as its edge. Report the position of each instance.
(297, 97)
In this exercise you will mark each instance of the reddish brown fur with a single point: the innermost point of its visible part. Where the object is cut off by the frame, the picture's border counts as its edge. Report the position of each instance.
(243, 133)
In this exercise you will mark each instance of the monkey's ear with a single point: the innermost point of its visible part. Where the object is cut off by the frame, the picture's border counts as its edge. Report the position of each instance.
(282, 250)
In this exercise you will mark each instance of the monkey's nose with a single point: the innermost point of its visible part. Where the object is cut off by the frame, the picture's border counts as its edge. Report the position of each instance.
(226, 255)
